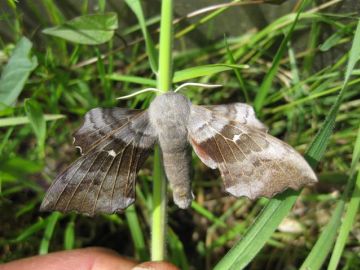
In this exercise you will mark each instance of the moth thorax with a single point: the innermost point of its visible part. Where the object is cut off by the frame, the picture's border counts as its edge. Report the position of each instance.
(169, 113)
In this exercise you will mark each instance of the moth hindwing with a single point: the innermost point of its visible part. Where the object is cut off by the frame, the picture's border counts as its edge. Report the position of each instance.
(252, 163)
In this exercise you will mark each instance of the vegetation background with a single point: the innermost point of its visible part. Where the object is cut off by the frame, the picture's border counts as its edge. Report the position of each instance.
(291, 61)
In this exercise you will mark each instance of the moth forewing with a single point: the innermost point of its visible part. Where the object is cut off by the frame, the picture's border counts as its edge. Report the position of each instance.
(115, 143)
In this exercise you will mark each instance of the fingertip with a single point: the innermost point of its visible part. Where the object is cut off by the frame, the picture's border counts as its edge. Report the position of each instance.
(155, 266)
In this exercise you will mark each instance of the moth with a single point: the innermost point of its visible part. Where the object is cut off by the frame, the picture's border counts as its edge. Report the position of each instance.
(115, 142)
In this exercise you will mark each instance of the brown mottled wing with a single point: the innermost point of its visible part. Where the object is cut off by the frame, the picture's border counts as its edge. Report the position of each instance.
(239, 112)
(252, 163)
(115, 143)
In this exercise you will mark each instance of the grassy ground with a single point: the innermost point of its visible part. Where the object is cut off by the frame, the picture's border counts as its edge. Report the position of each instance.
(295, 93)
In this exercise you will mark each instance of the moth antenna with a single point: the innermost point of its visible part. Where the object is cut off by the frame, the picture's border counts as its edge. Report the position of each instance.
(197, 84)
(140, 92)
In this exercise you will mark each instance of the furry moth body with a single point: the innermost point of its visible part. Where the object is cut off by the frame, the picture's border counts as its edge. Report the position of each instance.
(115, 142)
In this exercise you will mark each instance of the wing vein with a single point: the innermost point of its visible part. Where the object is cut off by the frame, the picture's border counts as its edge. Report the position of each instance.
(225, 163)
(92, 180)
(102, 183)
(113, 131)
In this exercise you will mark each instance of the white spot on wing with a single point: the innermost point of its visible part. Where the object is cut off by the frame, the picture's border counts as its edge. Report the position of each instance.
(236, 137)
(78, 147)
(112, 153)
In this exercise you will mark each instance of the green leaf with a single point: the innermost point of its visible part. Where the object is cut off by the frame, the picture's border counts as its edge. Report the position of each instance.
(200, 71)
(37, 121)
(135, 6)
(21, 120)
(16, 72)
(91, 29)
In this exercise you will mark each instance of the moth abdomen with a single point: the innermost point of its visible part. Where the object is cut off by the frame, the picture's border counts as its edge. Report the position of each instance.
(178, 170)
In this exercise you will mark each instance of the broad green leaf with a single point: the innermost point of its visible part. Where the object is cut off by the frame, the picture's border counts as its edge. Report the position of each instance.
(37, 121)
(91, 29)
(21, 120)
(200, 71)
(16, 72)
(135, 6)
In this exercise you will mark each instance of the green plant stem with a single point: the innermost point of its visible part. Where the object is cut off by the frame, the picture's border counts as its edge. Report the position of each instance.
(165, 47)
(164, 84)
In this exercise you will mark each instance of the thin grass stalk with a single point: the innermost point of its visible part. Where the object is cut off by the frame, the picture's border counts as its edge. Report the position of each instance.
(163, 84)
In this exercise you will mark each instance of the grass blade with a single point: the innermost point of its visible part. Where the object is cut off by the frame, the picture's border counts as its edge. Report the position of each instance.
(22, 120)
(135, 6)
(352, 209)
(69, 236)
(324, 244)
(136, 234)
(31, 230)
(265, 86)
(178, 256)
(318, 146)
(346, 226)
(131, 79)
(207, 214)
(49, 230)
(205, 70)
(16, 72)
(237, 73)
(254, 239)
